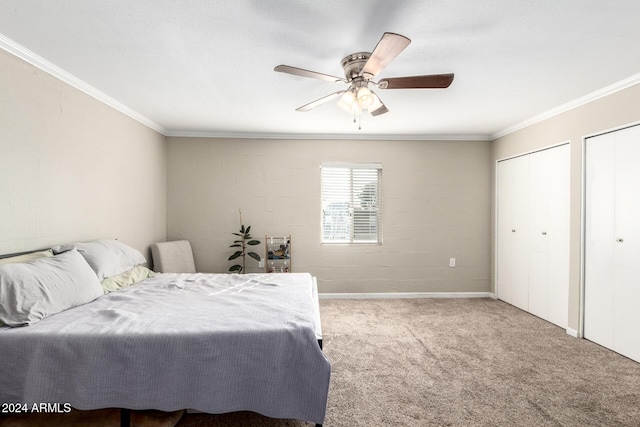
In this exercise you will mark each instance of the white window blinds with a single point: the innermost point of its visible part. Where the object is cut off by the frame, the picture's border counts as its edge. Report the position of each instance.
(351, 203)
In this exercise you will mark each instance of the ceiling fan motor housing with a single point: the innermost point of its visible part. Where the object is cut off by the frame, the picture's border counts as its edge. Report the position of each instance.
(353, 65)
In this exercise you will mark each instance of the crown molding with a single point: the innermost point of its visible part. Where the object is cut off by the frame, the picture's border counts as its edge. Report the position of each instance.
(310, 136)
(590, 97)
(48, 67)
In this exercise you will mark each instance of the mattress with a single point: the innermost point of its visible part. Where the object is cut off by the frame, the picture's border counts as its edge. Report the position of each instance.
(214, 343)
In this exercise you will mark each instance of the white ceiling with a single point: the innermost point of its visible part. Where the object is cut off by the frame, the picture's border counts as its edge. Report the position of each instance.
(203, 67)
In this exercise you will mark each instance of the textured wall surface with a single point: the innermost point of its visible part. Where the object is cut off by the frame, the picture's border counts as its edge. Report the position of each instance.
(72, 168)
(435, 207)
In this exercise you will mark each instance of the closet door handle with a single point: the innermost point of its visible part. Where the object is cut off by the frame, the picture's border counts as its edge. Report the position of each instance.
(513, 230)
(544, 233)
(619, 240)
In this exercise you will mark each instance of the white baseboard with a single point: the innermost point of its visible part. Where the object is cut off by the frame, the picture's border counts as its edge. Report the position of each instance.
(572, 332)
(382, 295)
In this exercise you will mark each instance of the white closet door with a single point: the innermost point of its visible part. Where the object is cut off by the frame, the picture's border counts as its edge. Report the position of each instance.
(626, 298)
(599, 239)
(549, 234)
(533, 233)
(512, 270)
(539, 249)
(558, 235)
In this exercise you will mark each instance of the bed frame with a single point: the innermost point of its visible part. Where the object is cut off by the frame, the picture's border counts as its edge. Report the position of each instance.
(22, 253)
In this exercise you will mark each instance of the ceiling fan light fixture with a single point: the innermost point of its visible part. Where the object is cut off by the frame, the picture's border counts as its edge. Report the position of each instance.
(365, 98)
(347, 102)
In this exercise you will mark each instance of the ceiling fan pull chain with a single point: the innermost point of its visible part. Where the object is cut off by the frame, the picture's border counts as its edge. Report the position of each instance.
(357, 118)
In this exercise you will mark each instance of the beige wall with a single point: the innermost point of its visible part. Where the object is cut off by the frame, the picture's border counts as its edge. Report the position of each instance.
(615, 110)
(435, 206)
(72, 168)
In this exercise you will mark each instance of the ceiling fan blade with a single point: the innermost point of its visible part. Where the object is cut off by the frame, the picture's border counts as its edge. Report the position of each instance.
(378, 106)
(432, 81)
(389, 46)
(320, 101)
(380, 110)
(306, 73)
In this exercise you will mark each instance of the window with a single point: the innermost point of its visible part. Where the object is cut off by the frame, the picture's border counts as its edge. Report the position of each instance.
(351, 203)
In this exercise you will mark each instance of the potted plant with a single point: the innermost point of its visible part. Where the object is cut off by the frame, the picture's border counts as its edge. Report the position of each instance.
(244, 240)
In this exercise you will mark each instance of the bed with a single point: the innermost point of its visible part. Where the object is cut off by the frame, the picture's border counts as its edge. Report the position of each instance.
(213, 343)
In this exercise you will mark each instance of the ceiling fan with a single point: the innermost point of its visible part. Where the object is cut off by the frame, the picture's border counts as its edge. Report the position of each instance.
(360, 68)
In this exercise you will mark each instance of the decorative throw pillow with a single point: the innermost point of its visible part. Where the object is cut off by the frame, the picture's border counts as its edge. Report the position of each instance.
(33, 290)
(128, 278)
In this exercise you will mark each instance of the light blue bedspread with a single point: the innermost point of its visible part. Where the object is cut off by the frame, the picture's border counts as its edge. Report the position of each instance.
(211, 342)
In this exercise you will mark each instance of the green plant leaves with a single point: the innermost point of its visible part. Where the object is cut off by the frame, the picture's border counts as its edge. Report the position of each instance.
(245, 239)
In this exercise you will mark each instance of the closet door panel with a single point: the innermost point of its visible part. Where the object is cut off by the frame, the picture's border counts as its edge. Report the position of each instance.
(539, 274)
(556, 233)
(504, 212)
(600, 239)
(626, 298)
(512, 271)
(549, 234)
(520, 274)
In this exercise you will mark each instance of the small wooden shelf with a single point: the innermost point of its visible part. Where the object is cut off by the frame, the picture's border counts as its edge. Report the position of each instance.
(277, 254)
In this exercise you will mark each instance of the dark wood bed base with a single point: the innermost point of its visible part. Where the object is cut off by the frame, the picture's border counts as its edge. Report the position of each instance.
(125, 418)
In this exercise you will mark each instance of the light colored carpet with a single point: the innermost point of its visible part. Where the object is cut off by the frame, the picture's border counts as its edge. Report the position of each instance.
(458, 362)
(473, 362)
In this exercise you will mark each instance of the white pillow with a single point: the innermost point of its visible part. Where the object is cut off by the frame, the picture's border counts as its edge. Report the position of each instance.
(109, 257)
(33, 290)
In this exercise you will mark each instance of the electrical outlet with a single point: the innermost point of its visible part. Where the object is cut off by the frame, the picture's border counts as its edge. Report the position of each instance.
(261, 263)
(452, 262)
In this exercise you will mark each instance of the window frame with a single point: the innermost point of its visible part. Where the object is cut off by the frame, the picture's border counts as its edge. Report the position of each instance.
(356, 187)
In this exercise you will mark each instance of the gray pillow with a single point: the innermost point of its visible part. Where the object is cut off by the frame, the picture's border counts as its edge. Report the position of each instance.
(33, 290)
(109, 257)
